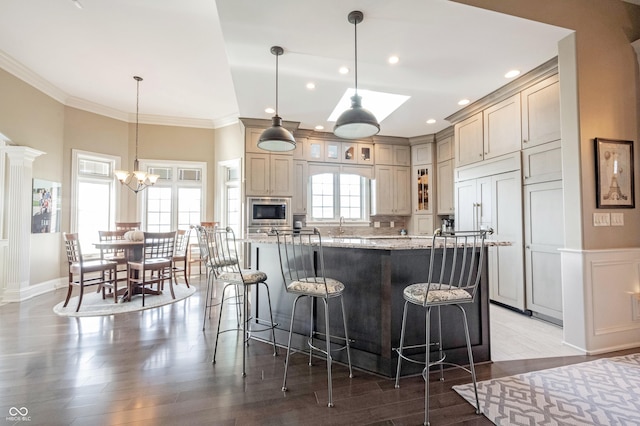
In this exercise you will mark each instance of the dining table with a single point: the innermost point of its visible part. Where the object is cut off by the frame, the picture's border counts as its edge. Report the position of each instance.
(133, 252)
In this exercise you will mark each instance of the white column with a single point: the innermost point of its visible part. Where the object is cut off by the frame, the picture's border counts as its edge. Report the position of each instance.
(18, 219)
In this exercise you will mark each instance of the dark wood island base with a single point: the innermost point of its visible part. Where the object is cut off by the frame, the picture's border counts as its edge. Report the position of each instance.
(375, 276)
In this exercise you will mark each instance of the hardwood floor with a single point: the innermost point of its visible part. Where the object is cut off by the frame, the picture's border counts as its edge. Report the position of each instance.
(154, 368)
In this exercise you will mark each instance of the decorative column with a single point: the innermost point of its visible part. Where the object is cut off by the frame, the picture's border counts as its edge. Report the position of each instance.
(18, 219)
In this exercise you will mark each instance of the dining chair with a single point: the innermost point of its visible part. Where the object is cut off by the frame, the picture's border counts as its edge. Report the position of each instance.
(127, 226)
(225, 265)
(156, 265)
(114, 255)
(100, 272)
(180, 255)
(455, 267)
(303, 273)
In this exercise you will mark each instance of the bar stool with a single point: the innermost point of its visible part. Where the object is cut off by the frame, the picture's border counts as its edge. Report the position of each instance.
(455, 268)
(302, 264)
(224, 263)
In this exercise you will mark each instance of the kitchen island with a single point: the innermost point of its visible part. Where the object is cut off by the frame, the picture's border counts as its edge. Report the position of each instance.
(375, 271)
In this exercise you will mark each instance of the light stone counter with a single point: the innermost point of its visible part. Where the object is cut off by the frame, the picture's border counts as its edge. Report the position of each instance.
(383, 242)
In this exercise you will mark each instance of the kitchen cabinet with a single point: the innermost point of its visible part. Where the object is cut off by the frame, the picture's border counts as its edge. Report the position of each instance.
(543, 237)
(542, 163)
(502, 128)
(392, 155)
(444, 188)
(496, 202)
(269, 174)
(357, 153)
(421, 154)
(421, 188)
(468, 137)
(422, 224)
(332, 151)
(300, 182)
(541, 112)
(444, 149)
(314, 150)
(391, 190)
(299, 151)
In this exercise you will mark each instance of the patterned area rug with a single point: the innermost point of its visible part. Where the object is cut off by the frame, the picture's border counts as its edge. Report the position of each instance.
(601, 392)
(94, 305)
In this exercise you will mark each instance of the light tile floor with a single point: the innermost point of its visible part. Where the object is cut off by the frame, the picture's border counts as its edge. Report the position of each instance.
(516, 336)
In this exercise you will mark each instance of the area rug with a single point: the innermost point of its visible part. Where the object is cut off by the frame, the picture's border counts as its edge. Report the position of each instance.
(94, 305)
(601, 392)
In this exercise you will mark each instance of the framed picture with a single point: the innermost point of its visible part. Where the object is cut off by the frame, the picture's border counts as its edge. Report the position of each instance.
(45, 207)
(614, 174)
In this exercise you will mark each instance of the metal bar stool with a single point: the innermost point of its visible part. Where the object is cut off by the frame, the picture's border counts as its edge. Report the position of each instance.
(455, 268)
(302, 264)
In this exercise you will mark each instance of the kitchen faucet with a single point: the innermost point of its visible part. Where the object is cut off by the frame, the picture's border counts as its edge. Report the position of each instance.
(341, 231)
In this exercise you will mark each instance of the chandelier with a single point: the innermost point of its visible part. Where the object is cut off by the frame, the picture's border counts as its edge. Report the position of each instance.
(137, 180)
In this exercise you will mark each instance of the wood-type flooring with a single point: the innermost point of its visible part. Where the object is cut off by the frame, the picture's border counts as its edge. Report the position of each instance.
(154, 368)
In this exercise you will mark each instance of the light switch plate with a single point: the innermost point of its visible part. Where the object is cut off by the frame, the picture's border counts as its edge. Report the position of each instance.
(617, 219)
(601, 219)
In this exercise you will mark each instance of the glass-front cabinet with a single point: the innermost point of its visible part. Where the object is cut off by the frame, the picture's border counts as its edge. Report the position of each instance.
(421, 182)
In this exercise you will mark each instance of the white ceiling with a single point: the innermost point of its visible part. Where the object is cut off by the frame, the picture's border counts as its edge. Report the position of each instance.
(205, 65)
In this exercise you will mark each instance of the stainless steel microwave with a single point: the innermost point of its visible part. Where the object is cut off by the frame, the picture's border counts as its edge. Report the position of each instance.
(268, 212)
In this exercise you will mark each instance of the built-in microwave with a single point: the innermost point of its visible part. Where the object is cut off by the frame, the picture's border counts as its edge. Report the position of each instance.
(264, 213)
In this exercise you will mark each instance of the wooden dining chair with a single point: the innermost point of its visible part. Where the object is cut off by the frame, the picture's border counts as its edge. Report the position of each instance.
(156, 265)
(127, 226)
(87, 273)
(114, 255)
(180, 255)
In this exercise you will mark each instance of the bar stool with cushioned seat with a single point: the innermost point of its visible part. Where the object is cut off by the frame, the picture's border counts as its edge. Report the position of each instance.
(226, 268)
(455, 269)
(302, 264)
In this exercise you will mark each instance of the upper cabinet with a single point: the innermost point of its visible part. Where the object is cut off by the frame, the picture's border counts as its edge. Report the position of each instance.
(391, 192)
(269, 175)
(502, 129)
(444, 149)
(469, 140)
(393, 155)
(541, 112)
(357, 153)
(422, 154)
(327, 151)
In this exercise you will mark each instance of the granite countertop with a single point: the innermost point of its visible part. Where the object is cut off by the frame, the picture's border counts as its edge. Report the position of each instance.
(382, 242)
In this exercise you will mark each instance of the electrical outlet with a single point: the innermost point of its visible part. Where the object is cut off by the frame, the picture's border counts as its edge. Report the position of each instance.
(392, 224)
(601, 219)
(617, 219)
(376, 224)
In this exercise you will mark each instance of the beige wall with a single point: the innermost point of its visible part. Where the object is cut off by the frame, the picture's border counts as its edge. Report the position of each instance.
(607, 92)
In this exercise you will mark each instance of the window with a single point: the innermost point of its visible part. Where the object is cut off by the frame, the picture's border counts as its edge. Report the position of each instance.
(335, 195)
(93, 201)
(176, 200)
(231, 208)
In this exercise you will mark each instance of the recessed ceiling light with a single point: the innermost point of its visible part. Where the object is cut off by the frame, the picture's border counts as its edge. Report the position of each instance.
(319, 127)
(269, 110)
(77, 3)
(379, 103)
(393, 59)
(343, 70)
(512, 74)
(431, 121)
(311, 85)
(463, 101)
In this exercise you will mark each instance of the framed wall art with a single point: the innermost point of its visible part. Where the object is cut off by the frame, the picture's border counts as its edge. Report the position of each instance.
(45, 206)
(614, 174)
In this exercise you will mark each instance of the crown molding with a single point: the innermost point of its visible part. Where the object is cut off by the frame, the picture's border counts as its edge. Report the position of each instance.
(15, 68)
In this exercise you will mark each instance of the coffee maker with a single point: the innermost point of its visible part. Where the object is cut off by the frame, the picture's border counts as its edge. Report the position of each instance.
(448, 225)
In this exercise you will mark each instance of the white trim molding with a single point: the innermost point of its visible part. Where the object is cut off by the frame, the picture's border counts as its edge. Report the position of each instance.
(600, 288)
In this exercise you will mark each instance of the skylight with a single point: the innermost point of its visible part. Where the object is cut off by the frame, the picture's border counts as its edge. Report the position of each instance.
(379, 103)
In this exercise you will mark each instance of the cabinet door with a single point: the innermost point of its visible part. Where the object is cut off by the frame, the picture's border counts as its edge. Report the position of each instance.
(281, 175)
(420, 189)
(384, 154)
(402, 190)
(401, 155)
(444, 149)
(423, 224)
(257, 174)
(301, 145)
(542, 163)
(502, 128)
(421, 154)
(349, 152)
(251, 137)
(300, 178)
(541, 112)
(468, 140)
(445, 191)
(466, 201)
(332, 151)
(314, 150)
(382, 202)
(506, 279)
(543, 234)
(365, 153)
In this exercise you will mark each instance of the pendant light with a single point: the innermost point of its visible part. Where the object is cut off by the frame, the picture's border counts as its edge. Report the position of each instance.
(276, 137)
(137, 180)
(356, 122)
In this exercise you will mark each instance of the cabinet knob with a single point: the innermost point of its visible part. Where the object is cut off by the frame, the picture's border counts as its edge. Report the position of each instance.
(524, 141)
(480, 155)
